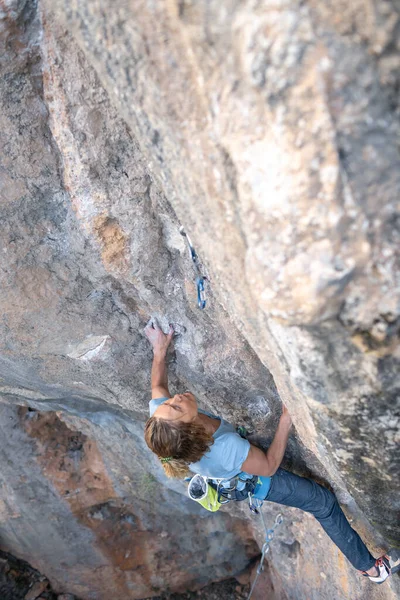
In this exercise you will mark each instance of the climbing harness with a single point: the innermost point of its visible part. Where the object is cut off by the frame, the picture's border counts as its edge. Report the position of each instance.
(211, 495)
(227, 489)
(200, 279)
(269, 536)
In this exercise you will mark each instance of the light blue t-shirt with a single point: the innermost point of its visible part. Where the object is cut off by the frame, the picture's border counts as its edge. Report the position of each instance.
(226, 456)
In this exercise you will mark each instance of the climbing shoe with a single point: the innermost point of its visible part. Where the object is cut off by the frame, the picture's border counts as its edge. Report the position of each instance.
(383, 570)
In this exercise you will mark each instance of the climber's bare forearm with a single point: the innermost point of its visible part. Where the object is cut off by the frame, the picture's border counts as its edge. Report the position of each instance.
(267, 463)
(160, 342)
(159, 376)
(277, 448)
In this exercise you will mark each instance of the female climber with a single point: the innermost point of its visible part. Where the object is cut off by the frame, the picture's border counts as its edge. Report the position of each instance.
(188, 439)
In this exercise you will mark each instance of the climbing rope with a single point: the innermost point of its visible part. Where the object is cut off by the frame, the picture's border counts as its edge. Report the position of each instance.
(200, 279)
(269, 536)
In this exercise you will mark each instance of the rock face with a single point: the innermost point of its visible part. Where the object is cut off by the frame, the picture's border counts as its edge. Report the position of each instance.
(18, 581)
(269, 130)
(100, 522)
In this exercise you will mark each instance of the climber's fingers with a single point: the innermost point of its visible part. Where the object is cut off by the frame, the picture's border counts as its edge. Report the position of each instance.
(170, 332)
(156, 325)
(156, 336)
(149, 324)
(151, 331)
(152, 324)
(285, 413)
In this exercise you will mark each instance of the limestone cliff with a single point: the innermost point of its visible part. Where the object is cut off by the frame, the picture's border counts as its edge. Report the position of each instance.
(270, 131)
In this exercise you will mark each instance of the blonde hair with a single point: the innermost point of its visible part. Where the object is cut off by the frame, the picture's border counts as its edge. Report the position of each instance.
(177, 444)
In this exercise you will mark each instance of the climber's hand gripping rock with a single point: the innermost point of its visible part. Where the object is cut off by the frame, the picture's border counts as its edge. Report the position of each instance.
(157, 338)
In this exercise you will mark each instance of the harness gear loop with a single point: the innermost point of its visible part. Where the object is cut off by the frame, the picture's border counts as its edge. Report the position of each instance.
(231, 492)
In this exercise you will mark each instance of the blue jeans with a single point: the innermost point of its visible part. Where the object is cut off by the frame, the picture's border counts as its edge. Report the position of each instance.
(292, 490)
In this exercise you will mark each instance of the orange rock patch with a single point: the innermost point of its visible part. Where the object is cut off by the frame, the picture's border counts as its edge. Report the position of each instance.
(113, 241)
(73, 463)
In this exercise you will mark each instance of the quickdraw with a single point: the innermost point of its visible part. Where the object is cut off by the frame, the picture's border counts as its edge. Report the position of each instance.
(200, 279)
(269, 536)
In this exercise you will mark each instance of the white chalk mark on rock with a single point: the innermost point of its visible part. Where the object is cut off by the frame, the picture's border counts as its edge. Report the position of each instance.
(90, 348)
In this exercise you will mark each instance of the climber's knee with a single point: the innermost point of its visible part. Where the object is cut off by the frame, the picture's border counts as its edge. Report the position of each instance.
(327, 503)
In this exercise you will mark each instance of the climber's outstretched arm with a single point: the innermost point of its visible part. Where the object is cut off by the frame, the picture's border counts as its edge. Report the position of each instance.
(159, 374)
(267, 463)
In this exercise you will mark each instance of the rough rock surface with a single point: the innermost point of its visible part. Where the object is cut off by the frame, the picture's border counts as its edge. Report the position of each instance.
(273, 128)
(18, 581)
(269, 130)
(98, 520)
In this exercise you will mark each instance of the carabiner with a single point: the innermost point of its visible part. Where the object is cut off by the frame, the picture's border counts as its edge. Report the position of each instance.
(269, 536)
(201, 293)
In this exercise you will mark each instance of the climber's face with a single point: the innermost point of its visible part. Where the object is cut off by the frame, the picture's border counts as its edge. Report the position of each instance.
(182, 407)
